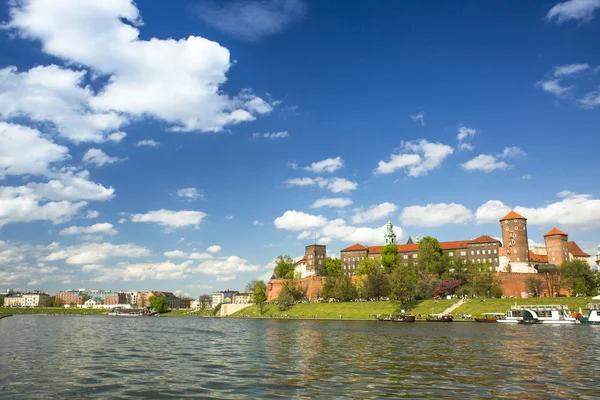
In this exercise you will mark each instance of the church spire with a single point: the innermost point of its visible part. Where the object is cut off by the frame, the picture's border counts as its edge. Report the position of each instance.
(390, 235)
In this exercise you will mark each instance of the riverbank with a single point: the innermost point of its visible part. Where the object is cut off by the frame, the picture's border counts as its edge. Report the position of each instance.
(366, 310)
(51, 311)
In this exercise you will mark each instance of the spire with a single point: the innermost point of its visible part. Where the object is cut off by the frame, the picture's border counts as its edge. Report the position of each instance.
(390, 235)
(410, 241)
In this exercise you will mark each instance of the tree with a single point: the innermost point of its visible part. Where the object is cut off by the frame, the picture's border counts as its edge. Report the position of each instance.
(339, 287)
(205, 301)
(429, 258)
(446, 288)
(259, 295)
(377, 284)
(285, 300)
(577, 276)
(390, 258)
(158, 304)
(56, 302)
(367, 266)
(284, 267)
(483, 281)
(217, 309)
(552, 278)
(85, 297)
(403, 282)
(333, 266)
(252, 284)
(598, 282)
(1, 301)
(534, 285)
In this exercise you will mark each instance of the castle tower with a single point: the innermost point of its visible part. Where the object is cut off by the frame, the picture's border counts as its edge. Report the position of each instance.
(557, 246)
(514, 238)
(315, 258)
(390, 235)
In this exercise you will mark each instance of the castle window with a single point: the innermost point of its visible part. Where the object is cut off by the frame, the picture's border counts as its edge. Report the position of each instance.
(463, 253)
(494, 251)
(489, 251)
(450, 254)
(477, 252)
(516, 228)
(472, 252)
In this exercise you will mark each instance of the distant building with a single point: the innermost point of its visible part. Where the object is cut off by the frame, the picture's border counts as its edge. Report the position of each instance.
(30, 299)
(69, 297)
(143, 298)
(223, 297)
(14, 300)
(185, 303)
(314, 259)
(242, 298)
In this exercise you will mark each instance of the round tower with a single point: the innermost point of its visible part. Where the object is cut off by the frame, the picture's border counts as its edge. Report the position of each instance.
(514, 238)
(557, 246)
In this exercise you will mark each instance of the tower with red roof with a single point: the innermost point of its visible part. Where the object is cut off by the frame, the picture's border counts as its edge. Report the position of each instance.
(557, 246)
(514, 238)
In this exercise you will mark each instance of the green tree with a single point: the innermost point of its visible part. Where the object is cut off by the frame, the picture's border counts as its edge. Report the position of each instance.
(429, 259)
(285, 300)
(252, 284)
(483, 281)
(217, 309)
(284, 267)
(333, 266)
(85, 297)
(205, 301)
(158, 304)
(390, 258)
(339, 287)
(1, 301)
(577, 276)
(598, 282)
(259, 295)
(534, 285)
(404, 282)
(377, 284)
(367, 266)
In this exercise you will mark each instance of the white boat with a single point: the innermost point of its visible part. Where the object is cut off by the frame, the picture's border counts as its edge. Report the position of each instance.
(539, 314)
(593, 317)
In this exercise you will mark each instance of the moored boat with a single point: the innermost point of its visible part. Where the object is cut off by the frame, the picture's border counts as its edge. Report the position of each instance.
(593, 317)
(439, 318)
(396, 318)
(539, 314)
(489, 317)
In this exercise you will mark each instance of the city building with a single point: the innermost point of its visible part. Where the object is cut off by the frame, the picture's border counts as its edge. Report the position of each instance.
(242, 298)
(36, 299)
(69, 297)
(143, 298)
(13, 300)
(223, 297)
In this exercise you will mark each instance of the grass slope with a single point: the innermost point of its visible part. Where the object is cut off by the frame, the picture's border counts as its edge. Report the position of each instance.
(476, 307)
(350, 310)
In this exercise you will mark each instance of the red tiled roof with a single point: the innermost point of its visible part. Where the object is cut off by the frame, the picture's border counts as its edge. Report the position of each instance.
(537, 258)
(576, 250)
(484, 239)
(512, 215)
(303, 259)
(555, 231)
(355, 247)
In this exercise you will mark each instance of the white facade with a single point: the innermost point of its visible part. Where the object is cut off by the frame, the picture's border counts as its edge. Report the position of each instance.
(132, 297)
(242, 298)
(300, 270)
(517, 267)
(13, 301)
(216, 299)
(28, 300)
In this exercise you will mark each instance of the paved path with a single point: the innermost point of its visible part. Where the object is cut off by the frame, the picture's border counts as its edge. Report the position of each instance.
(452, 307)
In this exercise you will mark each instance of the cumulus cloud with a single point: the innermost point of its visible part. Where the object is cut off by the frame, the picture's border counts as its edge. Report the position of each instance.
(339, 202)
(95, 253)
(328, 165)
(142, 271)
(71, 185)
(91, 214)
(178, 81)
(116, 136)
(226, 268)
(464, 134)
(25, 151)
(251, 20)
(553, 86)
(418, 159)
(435, 214)
(171, 219)
(271, 135)
(190, 194)
(491, 212)
(190, 256)
(299, 221)
(102, 228)
(419, 117)
(590, 100)
(334, 185)
(147, 143)
(578, 10)
(292, 165)
(489, 163)
(99, 158)
(257, 223)
(214, 249)
(373, 213)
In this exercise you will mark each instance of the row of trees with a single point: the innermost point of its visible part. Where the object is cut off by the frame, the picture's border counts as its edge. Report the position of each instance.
(576, 276)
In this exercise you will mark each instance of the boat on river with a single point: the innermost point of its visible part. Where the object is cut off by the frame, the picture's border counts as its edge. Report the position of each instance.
(132, 312)
(396, 318)
(593, 317)
(539, 314)
(489, 317)
(439, 318)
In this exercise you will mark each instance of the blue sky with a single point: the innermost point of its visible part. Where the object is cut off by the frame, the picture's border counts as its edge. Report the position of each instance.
(184, 145)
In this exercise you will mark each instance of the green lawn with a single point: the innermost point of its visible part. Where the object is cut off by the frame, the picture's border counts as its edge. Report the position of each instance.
(476, 307)
(351, 310)
(187, 313)
(53, 311)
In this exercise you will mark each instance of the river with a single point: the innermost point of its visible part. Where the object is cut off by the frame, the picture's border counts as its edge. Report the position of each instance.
(189, 358)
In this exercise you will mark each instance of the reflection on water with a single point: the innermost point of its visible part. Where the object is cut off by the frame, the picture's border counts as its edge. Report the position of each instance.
(108, 357)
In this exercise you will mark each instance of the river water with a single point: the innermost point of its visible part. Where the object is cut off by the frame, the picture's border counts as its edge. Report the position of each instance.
(188, 358)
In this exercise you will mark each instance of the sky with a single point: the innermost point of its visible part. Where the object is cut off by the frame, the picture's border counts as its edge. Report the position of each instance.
(182, 146)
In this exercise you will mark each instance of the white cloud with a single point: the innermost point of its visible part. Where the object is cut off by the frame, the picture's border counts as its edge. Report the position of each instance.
(553, 86)
(338, 229)
(435, 214)
(299, 221)
(341, 185)
(144, 271)
(339, 202)
(419, 117)
(95, 253)
(257, 223)
(55, 94)
(190, 193)
(374, 213)
(91, 214)
(72, 186)
(321, 182)
(421, 157)
(465, 134)
(117, 136)
(272, 135)
(102, 228)
(590, 100)
(214, 249)
(304, 235)
(511, 152)
(190, 256)
(579, 10)
(226, 268)
(23, 204)
(569, 69)
(147, 143)
(25, 151)
(292, 165)
(328, 165)
(485, 163)
(251, 20)
(175, 80)
(171, 219)
(99, 158)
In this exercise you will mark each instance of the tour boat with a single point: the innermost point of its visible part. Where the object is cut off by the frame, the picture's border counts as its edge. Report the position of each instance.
(396, 318)
(489, 317)
(539, 314)
(439, 318)
(593, 317)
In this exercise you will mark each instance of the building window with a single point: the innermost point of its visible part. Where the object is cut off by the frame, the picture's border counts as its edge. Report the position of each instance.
(489, 260)
(477, 252)
(463, 253)
(450, 254)
(405, 256)
(495, 251)
(414, 256)
(472, 252)
(495, 260)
